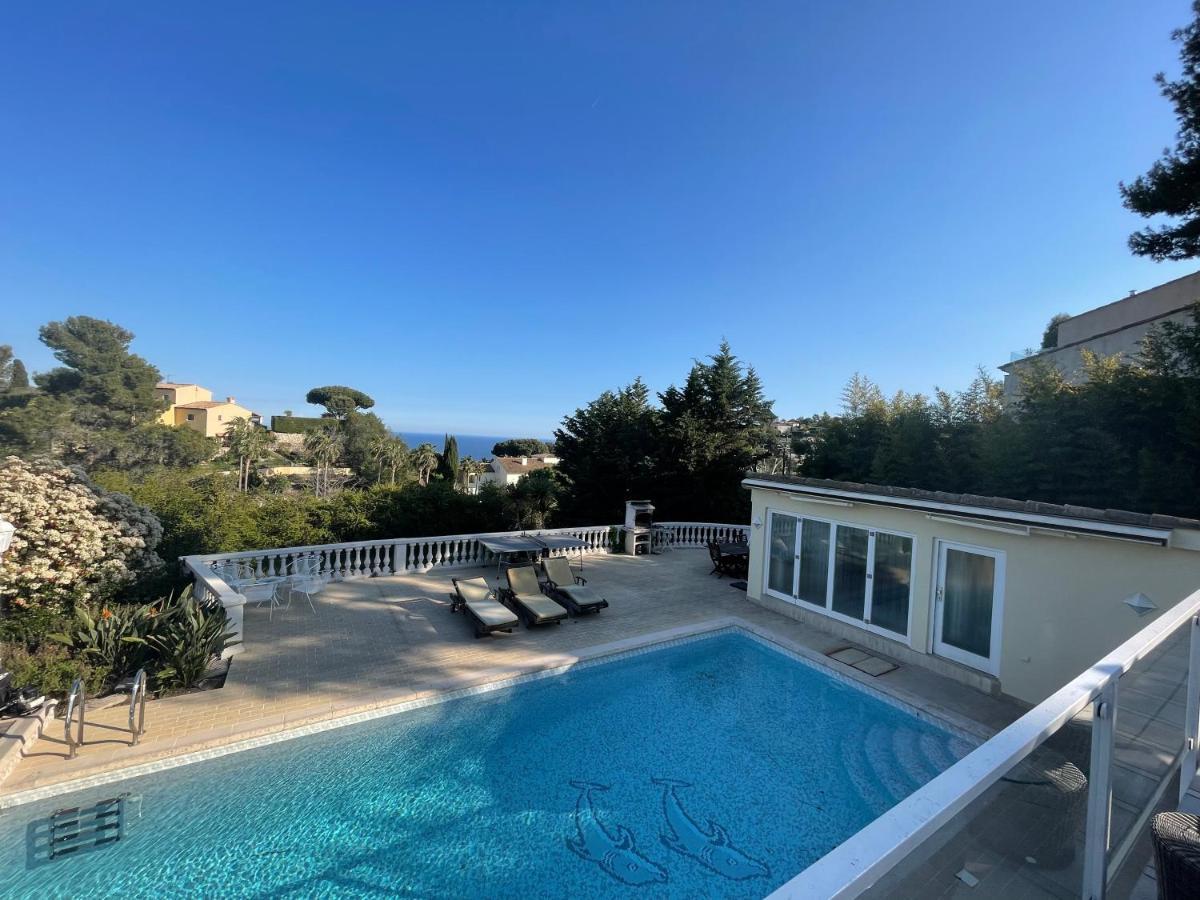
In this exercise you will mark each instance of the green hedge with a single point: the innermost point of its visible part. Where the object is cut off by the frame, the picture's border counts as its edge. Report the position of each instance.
(296, 424)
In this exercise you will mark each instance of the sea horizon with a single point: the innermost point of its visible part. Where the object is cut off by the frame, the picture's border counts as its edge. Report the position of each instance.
(477, 446)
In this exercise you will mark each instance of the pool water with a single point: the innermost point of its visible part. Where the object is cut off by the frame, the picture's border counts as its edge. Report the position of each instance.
(715, 767)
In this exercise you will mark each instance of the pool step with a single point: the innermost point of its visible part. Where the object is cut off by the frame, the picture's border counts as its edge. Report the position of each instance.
(75, 828)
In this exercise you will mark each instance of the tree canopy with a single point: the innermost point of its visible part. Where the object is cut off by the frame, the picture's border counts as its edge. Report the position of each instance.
(607, 453)
(1171, 187)
(339, 401)
(520, 447)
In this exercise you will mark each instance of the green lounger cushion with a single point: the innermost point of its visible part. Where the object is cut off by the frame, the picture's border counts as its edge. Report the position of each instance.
(559, 571)
(523, 581)
(477, 596)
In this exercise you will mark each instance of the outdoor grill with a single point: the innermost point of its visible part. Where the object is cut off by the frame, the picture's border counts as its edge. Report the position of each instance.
(639, 519)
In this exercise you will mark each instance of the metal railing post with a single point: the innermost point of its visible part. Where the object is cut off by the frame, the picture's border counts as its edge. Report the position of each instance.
(137, 706)
(76, 700)
(1191, 716)
(1099, 809)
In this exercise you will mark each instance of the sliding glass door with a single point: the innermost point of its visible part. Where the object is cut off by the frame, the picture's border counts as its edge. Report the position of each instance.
(846, 571)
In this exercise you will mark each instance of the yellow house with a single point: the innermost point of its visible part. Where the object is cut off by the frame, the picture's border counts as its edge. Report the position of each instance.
(192, 406)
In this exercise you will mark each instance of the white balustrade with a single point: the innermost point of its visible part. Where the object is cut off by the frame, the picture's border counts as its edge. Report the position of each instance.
(701, 534)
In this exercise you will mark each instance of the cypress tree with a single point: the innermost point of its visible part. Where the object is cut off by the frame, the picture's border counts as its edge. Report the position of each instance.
(18, 378)
(448, 468)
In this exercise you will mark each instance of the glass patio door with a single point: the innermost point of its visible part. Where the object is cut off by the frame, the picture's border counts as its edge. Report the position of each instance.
(968, 604)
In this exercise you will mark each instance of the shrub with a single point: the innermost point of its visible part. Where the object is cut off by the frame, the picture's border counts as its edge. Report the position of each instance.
(51, 670)
(174, 639)
(297, 424)
(74, 542)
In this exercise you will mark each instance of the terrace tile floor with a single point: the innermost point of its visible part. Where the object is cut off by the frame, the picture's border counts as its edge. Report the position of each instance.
(381, 641)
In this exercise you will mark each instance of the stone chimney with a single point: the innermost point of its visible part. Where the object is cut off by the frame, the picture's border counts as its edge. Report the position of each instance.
(524, 460)
(230, 400)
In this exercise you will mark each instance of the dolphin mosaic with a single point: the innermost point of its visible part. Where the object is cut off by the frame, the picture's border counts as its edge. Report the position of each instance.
(617, 855)
(710, 847)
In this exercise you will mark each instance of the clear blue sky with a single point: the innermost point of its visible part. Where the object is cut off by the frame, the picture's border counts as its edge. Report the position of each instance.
(484, 215)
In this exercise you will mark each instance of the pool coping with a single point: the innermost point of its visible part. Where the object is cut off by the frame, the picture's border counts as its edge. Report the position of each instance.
(600, 654)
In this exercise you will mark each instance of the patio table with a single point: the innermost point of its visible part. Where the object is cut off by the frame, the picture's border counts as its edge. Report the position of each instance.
(734, 549)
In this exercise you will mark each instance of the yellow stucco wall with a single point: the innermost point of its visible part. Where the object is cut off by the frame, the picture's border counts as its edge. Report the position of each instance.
(212, 421)
(174, 395)
(1063, 597)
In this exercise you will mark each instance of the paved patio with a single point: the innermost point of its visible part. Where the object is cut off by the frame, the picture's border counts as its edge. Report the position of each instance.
(380, 641)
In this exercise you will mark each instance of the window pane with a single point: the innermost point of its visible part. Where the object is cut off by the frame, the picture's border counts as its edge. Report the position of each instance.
(850, 572)
(814, 562)
(782, 564)
(967, 601)
(890, 586)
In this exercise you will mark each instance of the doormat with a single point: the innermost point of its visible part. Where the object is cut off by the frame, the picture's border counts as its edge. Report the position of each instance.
(739, 585)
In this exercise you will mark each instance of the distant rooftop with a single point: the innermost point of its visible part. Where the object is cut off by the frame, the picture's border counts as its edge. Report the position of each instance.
(205, 404)
(176, 384)
(513, 465)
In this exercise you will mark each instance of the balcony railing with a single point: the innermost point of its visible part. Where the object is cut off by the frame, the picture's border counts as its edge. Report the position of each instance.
(1140, 708)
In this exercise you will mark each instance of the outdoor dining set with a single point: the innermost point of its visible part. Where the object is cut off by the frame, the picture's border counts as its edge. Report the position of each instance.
(730, 558)
(301, 575)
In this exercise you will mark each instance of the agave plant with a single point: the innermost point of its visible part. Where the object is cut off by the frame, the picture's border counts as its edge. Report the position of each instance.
(190, 635)
(113, 638)
(174, 638)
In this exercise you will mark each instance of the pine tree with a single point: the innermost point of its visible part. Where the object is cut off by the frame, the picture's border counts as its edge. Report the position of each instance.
(1172, 185)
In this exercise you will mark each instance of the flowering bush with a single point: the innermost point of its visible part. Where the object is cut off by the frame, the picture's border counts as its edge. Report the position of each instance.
(74, 542)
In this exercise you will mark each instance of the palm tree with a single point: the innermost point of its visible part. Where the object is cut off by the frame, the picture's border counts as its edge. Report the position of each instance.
(323, 446)
(466, 468)
(394, 458)
(378, 450)
(247, 443)
(424, 460)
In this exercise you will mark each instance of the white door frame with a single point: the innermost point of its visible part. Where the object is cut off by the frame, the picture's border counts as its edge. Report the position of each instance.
(991, 663)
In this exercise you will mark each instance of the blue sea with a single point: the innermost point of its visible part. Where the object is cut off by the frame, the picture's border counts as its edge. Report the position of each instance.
(718, 767)
(478, 446)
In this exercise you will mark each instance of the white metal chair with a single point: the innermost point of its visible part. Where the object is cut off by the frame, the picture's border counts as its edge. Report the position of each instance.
(242, 576)
(303, 577)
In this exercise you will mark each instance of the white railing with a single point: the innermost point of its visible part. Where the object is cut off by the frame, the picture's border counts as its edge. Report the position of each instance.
(399, 556)
(700, 534)
(859, 862)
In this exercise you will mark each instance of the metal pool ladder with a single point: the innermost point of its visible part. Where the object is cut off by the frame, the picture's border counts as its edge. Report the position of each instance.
(80, 828)
(75, 700)
(137, 706)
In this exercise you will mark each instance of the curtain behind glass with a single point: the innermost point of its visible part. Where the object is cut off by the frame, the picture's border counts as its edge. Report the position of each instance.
(890, 586)
(967, 601)
(850, 571)
(782, 565)
(814, 562)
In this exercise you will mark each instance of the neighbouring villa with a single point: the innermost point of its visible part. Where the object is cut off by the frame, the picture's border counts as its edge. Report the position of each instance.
(1114, 329)
(861, 691)
(508, 470)
(192, 406)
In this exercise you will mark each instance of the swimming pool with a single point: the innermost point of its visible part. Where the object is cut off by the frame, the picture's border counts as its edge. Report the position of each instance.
(715, 766)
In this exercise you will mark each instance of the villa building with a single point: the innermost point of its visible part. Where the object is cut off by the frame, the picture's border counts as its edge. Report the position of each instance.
(192, 406)
(508, 470)
(1115, 328)
(1013, 597)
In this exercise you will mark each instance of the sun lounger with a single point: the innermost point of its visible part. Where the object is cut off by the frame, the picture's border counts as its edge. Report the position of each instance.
(475, 598)
(525, 596)
(570, 589)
